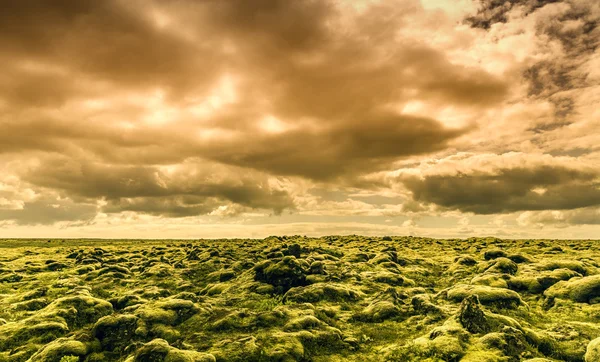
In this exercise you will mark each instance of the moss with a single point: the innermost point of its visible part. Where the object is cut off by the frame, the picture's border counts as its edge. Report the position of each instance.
(574, 265)
(592, 352)
(539, 282)
(503, 265)
(59, 348)
(116, 331)
(184, 309)
(159, 350)
(494, 253)
(284, 347)
(511, 342)
(283, 274)
(346, 309)
(167, 333)
(500, 297)
(31, 305)
(322, 292)
(303, 323)
(582, 290)
(491, 280)
(471, 316)
(388, 278)
(126, 301)
(87, 309)
(466, 260)
(152, 314)
(245, 349)
(10, 278)
(378, 312)
(15, 334)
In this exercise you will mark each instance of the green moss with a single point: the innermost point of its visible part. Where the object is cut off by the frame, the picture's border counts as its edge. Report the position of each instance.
(322, 292)
(283, 274)
(577, 289)
(378, 312)
(116, 331)
(500, 297)
(592, 353)
(59, 348)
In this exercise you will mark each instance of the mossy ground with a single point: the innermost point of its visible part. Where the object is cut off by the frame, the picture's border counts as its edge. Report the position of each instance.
(349, 298)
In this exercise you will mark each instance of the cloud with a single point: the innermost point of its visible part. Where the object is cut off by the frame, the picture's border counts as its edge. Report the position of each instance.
(220, 109)
(335, 79)
(489, 184)
(173, 191)
(560, 218)
(44, 210)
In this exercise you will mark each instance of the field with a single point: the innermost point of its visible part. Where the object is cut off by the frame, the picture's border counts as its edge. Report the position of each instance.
(336, 298)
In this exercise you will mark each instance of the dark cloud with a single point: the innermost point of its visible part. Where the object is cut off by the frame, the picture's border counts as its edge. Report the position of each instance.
(508, 189)
(188, 190)
(46, 210)
(340, 150)
(491, 12)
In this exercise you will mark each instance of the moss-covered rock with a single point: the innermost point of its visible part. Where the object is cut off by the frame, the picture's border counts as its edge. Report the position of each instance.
(56, 350)
(471, 316)
(494, 253)
(322, 291)
(282, 274)
(16, 334)
(581, 290)
(245, 349)
(115, 331)
(379, 311)
(503, 265)
(159, 350)
(592, 352)
(499, 297)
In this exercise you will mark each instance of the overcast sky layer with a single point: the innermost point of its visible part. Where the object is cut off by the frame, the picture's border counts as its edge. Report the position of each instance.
(237, 118)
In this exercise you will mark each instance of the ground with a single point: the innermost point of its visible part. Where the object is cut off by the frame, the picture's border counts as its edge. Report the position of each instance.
(336, 298)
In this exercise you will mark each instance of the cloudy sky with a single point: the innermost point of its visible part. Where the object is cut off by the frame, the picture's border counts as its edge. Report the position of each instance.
(249, 118)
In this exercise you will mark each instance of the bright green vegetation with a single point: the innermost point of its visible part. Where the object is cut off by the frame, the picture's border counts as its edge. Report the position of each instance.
(334, 298)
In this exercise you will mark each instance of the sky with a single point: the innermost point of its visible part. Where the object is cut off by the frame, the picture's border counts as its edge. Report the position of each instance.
(250, 118)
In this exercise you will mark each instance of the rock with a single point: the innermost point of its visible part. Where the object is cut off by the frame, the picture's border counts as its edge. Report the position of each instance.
(59, 348)
(303, 323)
(493, 254)
(283, 275)
(592, 352)
(159, 350)
(581, 290)
(500, 297)
(54, 266)
(32, 304)
(504, 266)
(294, 250)
(466, 260)
(115, 331)
(244, 349)
(574, 265)
(79, 310)
(471, 316)
(10, 278)
(322, 291)
(378, 312)
(317, 267)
